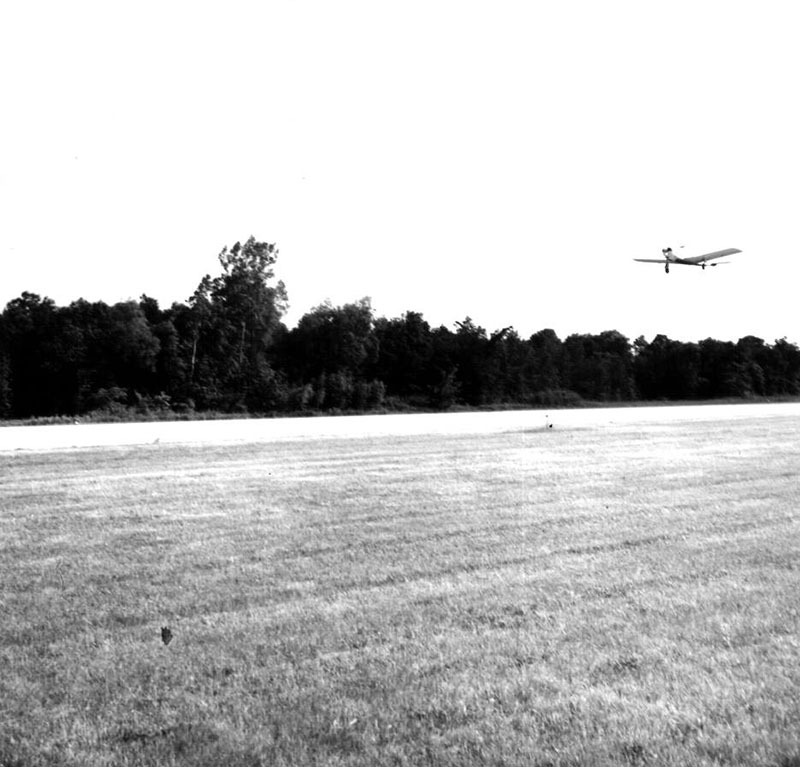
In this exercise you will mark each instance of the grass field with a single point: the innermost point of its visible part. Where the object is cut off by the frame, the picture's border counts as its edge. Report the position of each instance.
(617, 593)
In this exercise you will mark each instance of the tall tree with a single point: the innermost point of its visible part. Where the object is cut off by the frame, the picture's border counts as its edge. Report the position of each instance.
(170, 370)
(514, 366)
(333, 339)
(667, 369)
(235, 317)
(404, 354)
(614, 379)
(577, 369)
(474, 374)
(445, 386)
(785, 367)
(5, 371)
(753, 359)
(250, 305)
(40, 350)
(716, 373)
(547, 360)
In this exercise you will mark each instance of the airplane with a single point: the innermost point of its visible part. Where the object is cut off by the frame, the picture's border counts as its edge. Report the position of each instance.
(671, 258)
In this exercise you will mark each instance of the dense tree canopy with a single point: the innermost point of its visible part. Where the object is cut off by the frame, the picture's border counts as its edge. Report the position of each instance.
(226, 349)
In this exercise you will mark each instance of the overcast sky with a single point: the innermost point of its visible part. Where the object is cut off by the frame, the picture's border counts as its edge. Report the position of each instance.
(503, 160)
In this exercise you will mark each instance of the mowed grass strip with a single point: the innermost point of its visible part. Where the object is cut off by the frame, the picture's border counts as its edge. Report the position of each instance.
(612, 595)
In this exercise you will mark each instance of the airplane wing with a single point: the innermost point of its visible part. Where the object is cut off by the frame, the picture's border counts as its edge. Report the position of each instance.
(651, 260)
(710, 256)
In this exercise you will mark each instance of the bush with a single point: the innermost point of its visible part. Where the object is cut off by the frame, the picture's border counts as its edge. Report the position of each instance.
(319, 395)
(300, 398)
(158, 403)
(359, 399)
(112, 400)
(269, 395)
(184, 407)
(338, 391)
(444, 396)
(557, 398)
(376, 394)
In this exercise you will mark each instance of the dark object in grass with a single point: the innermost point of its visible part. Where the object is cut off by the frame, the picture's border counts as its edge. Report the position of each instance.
(166, 635)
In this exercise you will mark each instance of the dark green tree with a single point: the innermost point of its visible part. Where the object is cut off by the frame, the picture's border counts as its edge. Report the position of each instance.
(784, 368)
(547, 361)
(130, 347)
(753, 358)
(577, 369)
(233, 322)
(474, 363)
(515, 367)
(42, 357)
(717, 360)
(332, 339)
(5, 371)
(404, 358)
(614, 377)
(667, 369)
(445, 384)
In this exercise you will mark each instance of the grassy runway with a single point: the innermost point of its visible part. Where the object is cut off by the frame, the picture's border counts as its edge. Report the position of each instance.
(613, 594)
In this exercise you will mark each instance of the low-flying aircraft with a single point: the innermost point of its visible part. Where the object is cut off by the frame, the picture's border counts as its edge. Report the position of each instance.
(702, 261)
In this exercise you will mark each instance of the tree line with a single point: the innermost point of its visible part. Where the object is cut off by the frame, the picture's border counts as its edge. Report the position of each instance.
(227, 350)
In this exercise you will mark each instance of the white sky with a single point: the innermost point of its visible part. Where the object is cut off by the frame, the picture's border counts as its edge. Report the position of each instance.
(503, 160)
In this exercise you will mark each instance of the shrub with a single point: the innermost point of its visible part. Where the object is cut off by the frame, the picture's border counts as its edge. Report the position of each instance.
(112, 400)
(300, 398)
(557, 398)
(376, 394)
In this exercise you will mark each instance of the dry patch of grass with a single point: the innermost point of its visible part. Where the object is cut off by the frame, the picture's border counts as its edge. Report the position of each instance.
(611, 595)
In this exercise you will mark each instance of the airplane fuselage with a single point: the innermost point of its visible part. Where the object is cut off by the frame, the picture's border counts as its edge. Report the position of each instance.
(707, 259)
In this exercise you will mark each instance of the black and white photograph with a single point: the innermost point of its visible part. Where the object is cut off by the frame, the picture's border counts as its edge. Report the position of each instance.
(410, 384)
